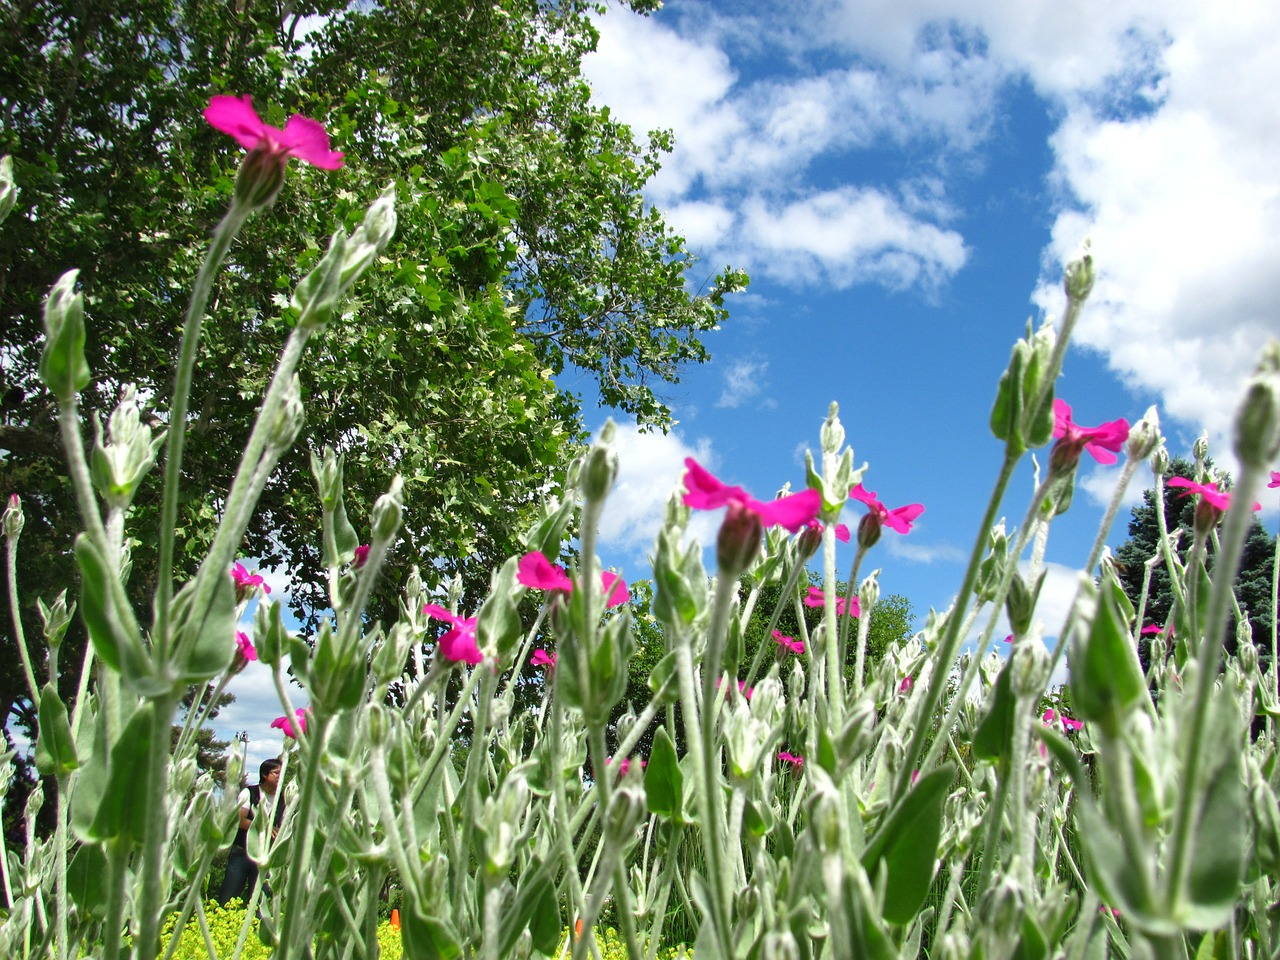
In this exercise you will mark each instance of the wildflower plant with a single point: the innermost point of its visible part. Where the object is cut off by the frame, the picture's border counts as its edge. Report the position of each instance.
(927, 802)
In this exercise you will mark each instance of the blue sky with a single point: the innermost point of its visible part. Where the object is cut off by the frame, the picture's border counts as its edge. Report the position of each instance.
(903, 181)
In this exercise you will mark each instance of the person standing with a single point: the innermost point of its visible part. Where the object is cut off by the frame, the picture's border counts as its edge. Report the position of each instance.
(242, 872)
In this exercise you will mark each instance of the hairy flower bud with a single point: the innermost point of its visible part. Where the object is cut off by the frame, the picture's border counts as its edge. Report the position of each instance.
(289, 418)
(62, 365)
(56, 618)
(601, 468)
(1078, 277)
(1200, 449)
(317, 294)
(119, 462)
(1144, 436)
(1257, 427)
(8, 189)
(1160, 461)
(869, 530)
(832, 435)
(260, 178)
(869, 592)
(13, 519)
(739, 539)
(388, 510)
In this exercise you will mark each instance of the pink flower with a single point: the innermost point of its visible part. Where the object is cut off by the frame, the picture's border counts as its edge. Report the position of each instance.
(538, 573)
(816, 598)
(625, 765)
(362, 556)
(705, 492)
(1275, 479)
(245, 646)
(301, 137)
(742, 687)
(906, 684)
(1067, 723)
(842, 531)
(245, 582)
(899, 519)
(1210, 492)
(458, 644)
(287, 724)
(790, 643)
(1009, 638)
(794, 759)
(541, 658)
(615, 589)
(1151, 628)
(1101, 442)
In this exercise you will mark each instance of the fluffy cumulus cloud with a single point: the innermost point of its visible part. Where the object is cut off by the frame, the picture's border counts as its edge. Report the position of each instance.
(650, 466)
(1164, 155)
(743, 381)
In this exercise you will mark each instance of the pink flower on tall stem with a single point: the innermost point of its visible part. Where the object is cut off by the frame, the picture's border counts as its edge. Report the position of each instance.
(286, 724)
(458, 644)
(743, 689)
(362, 556)
(794, 759)
(1102, 442)
(816, 598)
(1275, 479)
(543, 658)
(842, 530)
(245, 646)
(538, 573)
(792, 644)
(1208, 491)
(245, 582)
(625, 765)
(898, 519)
(1050, 715)
(706, 492)
(1152, 628)
(301, 137)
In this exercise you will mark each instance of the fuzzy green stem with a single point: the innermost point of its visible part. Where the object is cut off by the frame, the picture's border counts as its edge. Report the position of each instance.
(11, 555)
(223, 236)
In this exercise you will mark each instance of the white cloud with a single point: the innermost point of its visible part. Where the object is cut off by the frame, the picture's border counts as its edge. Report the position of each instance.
(255, 706)
(901, 548)
(743, 380)
(1099, 485)
(650, 466)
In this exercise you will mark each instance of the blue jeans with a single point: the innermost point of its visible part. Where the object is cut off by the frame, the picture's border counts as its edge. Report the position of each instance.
(242, 874)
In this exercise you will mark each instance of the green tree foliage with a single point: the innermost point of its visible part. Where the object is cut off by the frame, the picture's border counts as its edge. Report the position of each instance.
(1253, 583)
(524, 249)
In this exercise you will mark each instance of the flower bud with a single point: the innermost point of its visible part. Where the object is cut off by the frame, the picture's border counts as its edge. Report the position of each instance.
(56, 619)
(1257, 428)
(119, 462)
(289, 418)
(388, 511)
(1160, 461)
(1020, 603)
(739, 539)
(1144, 436)
(260, 178)
(869, 530)
(8, 189)
(1078, 277)
(13, 519)
(1030, 670)
(824, 814)
(316, 296)
(601, 467)
(808, 541)
(376, 724)
(869, 592)
(832, 435)
(779, 946)
(626, 809)
(1247, 654)
(62, 365)
(1200, 449)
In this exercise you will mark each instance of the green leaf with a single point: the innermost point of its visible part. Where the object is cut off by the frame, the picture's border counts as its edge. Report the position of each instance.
(126, 798)
(427, 937)
(114, 632)
(907, 843)
(55, 747)
(87, 880)
(993, 739)
(1106, 678)
(1006, 412)
(663, 781)
(205, 638)
(498, 625)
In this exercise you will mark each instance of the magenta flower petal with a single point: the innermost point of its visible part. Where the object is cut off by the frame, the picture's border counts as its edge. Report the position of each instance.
(236, 117)
(1101, 442)
(704, 491)
(792, 758)
(898, 520)
(458, 644)
(287, 724)
(307, 140)
(1275, 479)
(541, 658)
(362, 556)
(842, 533)
(536, 571)
(816, 598)
(615, 589)
(246, 645)
(797, 646)
(1210, 492)
(790, 512)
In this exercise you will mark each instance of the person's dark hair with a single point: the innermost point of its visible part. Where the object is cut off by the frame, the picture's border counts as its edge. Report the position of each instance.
(266, 767)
